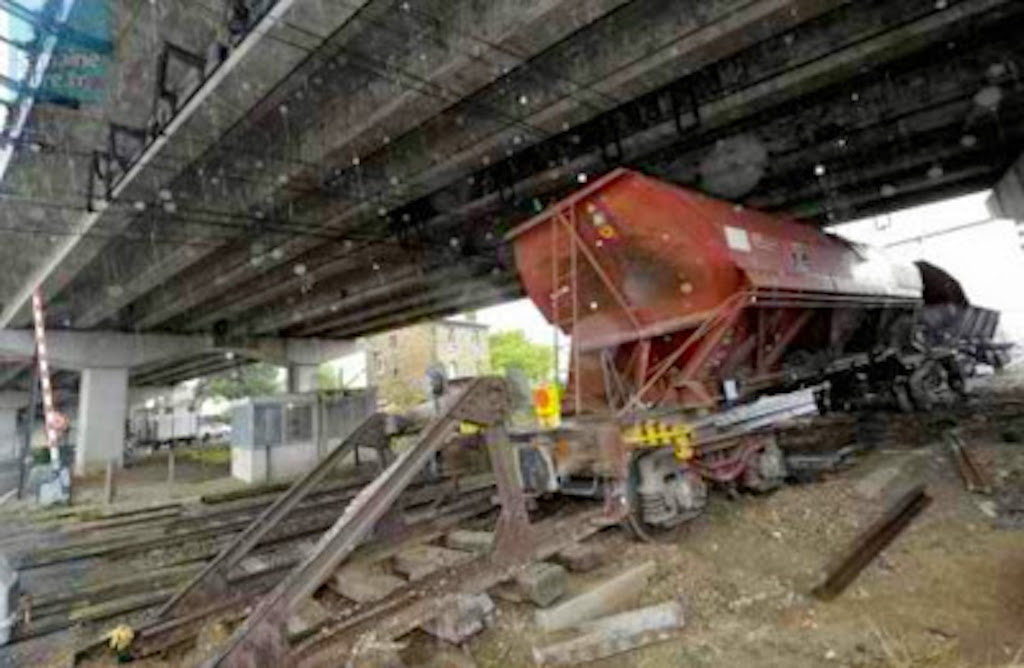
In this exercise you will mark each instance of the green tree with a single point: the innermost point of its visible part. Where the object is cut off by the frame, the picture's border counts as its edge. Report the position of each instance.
(328, 378)
(252, 380)
(512, 350)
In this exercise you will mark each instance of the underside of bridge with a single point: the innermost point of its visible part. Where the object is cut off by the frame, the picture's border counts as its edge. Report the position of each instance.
(323, 169)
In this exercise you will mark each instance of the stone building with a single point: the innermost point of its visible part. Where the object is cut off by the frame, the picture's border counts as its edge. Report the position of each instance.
(397, 361)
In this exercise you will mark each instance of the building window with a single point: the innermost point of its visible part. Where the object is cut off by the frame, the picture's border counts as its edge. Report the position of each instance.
(299, 423)
(393, 340)
(394, 371)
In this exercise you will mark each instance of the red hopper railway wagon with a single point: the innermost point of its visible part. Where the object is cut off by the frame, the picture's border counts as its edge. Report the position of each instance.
(677, 304)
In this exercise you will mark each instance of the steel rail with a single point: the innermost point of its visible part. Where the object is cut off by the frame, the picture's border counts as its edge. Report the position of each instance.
(213, 579)
(872, 541)
(262, 638)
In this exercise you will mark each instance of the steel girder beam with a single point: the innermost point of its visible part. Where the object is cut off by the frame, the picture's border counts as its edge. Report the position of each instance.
(430, 293)
(181, 370)
(907, 189)
(364, 294)
(278, 294)
(433, 309)
(173, 377)
(951, 186)
(459, 138)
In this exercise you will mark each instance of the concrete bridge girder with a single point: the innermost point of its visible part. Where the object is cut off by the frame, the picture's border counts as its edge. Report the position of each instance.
(463, 67)
(245, 78)
(161, 307)
(724, 111)
(116, 350)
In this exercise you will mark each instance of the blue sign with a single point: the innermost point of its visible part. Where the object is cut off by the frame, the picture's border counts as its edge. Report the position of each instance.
(77, 72)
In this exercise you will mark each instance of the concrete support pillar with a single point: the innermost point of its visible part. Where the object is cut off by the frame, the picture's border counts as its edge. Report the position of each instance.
(302, 377)
(8, 434)
(102, 411)
(10, 438)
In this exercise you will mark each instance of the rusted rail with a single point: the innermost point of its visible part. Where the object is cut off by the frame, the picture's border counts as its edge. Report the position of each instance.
(875, 539)
(407, 608)
(262, 639)
(212, 581)
(975, 480)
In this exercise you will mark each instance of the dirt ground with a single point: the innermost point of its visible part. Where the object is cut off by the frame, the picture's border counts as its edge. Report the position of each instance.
(948, 592)
(144, 479)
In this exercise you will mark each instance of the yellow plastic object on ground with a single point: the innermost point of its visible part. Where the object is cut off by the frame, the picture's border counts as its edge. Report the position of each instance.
(547, 406)
(469, 429)
(655, 433)
(120, 638)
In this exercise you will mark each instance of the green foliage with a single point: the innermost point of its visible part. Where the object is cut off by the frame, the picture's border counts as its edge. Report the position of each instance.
(327, 378)
(401, 396)
(253, 380)
(512, 350)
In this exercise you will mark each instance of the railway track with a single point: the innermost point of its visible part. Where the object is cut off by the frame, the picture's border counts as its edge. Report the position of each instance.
(90, 581)
(72, 583)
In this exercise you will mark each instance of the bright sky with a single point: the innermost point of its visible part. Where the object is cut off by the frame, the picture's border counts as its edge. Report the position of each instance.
(986, 257)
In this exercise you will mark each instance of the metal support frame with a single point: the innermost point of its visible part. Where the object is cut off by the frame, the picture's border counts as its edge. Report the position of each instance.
(172, 52)
(514, 536)
(100, 174)
(786, 338)
(212, 581)
(262, 638)
(114, 152)
(708, 332)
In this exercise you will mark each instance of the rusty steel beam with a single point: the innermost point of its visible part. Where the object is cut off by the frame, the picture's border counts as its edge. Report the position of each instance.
(872, 541)
(262, 639)
(212, 581)
(975, 479)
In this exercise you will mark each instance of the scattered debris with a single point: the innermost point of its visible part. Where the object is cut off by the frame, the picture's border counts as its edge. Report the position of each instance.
(615, 634)
(306, 617)
(580, 557)
(988, 508)
(467, 616)
(542, 583)
(470, 541)
(873, 484)
(420, 561)
(369, 652)
(974, 479)
(1010, 502)
(598, 600)
(362, 583)
(873, 541)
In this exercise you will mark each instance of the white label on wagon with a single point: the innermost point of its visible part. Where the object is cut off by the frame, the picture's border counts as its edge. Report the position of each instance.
(737, 238)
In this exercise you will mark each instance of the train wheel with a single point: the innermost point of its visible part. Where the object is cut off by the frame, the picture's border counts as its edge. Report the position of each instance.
(657, 487)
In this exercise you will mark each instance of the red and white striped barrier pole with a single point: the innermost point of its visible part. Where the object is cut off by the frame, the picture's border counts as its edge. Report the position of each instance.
(55, 422)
